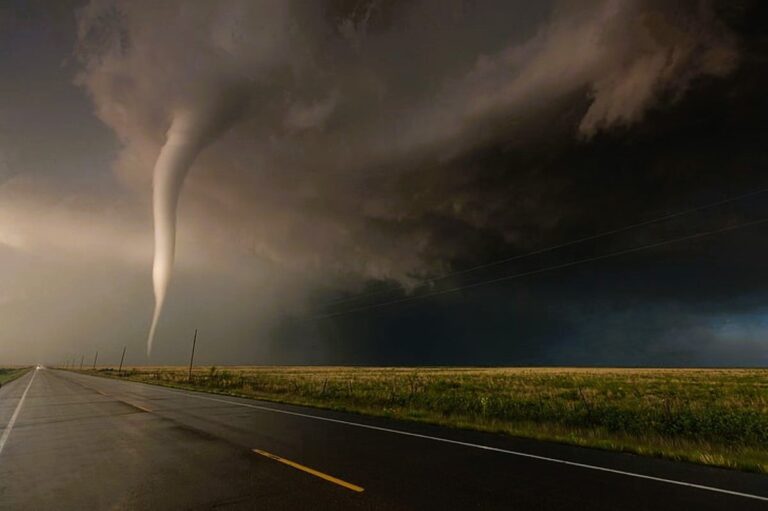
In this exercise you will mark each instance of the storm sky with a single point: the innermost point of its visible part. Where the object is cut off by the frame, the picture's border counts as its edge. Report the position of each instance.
(361, 155)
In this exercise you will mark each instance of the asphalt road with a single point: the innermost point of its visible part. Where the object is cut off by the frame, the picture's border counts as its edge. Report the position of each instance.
(71, 441)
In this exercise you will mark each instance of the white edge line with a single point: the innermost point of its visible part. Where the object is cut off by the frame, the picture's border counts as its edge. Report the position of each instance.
(9, 427)
(468, 444)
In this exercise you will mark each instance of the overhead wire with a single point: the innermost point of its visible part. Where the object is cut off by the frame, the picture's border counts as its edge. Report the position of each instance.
(569, 264)
(551, 248)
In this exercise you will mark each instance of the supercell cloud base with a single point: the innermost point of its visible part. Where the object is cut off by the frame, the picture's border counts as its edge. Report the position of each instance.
(305, 151)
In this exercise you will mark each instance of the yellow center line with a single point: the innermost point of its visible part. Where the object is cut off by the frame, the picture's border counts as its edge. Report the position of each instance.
(134, 405)
(142, 408)
(312, 471)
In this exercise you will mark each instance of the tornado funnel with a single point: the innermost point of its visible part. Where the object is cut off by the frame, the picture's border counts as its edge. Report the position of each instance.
(186, 137)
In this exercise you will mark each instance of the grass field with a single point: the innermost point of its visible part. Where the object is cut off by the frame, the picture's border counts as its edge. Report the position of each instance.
(711, 416)
(8, 374)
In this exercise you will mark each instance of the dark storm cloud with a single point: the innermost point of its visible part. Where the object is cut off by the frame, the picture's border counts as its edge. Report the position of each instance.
(396, 140)
(386, 141)
(352, 103)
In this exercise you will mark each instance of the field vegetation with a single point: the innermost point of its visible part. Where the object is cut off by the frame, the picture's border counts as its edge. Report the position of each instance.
(711, 416)
(8, 374)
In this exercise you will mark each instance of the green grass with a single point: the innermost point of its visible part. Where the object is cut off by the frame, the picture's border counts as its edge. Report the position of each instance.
(710, 416)
(8, 374)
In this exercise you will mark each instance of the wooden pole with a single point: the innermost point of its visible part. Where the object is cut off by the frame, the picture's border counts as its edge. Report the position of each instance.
(192, 358)
(121, 361)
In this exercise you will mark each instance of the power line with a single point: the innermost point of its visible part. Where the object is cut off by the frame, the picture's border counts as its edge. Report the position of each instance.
(555, 247)
(546, 269)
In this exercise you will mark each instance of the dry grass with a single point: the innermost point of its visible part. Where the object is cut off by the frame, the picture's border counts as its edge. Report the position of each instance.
(8, 374)
(711, 416)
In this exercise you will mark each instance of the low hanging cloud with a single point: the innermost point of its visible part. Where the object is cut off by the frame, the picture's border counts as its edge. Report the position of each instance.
(343, 106)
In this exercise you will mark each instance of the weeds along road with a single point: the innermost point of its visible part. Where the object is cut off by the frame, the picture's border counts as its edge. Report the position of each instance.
(72, 441)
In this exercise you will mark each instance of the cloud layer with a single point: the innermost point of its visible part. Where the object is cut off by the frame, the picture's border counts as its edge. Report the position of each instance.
(349, 101)
(362, 141)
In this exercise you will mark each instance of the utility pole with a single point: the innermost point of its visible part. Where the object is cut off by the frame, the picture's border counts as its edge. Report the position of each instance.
(81, 362)
(121, 361)
(95, 358)
(192, 358)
